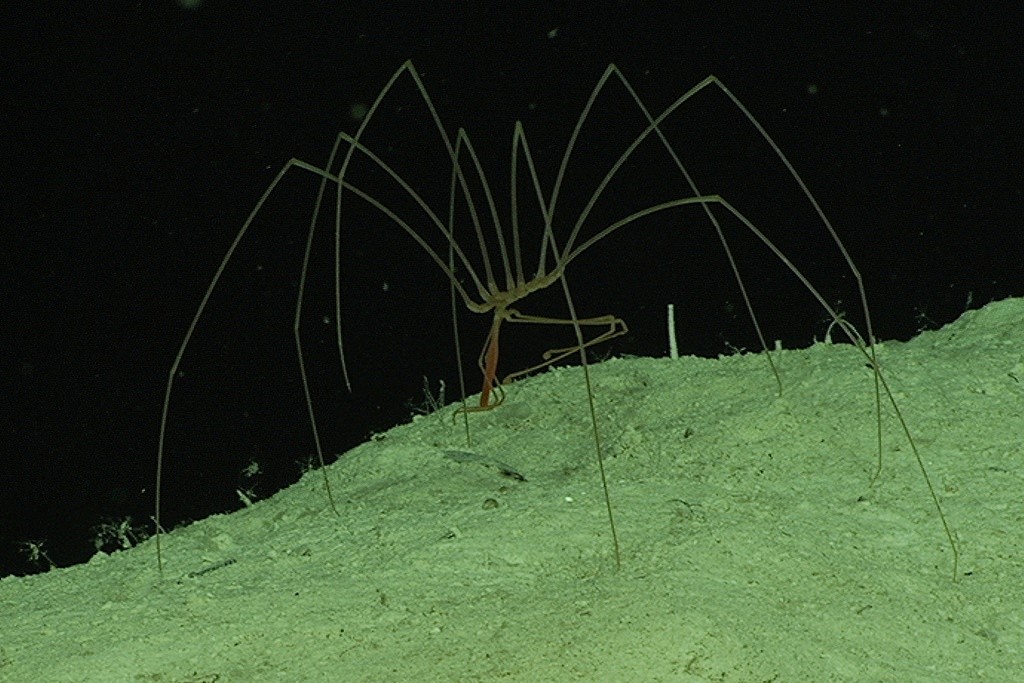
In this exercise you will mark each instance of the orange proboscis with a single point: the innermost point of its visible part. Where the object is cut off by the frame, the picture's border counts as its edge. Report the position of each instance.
(491, 369)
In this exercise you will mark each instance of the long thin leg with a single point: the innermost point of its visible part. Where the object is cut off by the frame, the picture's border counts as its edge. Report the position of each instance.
(173, 372)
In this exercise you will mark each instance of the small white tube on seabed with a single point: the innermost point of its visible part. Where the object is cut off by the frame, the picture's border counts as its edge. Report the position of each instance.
(673, 348)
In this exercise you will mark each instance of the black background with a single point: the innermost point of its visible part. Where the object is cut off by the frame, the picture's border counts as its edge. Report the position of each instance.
(138, 136)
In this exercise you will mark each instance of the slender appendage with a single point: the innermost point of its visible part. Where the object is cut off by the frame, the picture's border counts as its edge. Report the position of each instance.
(598, 450)
(173, 372)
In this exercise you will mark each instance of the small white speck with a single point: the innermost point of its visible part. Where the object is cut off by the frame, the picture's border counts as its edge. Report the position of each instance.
(357, 111)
